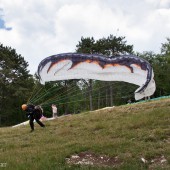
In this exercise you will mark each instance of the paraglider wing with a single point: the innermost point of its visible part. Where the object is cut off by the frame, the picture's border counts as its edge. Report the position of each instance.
(127, 68)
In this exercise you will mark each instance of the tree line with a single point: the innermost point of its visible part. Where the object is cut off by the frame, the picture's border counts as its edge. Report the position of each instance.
(17, 86)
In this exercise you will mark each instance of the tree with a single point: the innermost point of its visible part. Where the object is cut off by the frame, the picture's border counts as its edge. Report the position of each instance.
(110, 46)
(161, 68)
(15, 83)
(165, 49)
(165, 66)
(87, 45)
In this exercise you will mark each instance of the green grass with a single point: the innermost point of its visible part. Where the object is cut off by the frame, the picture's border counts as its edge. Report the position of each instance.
(129, 132)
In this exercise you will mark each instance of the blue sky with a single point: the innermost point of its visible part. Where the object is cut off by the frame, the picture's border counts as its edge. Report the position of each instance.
(37, 29)
(2, 25)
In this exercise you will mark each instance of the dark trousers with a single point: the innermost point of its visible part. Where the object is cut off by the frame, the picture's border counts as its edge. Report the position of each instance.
(32, 122)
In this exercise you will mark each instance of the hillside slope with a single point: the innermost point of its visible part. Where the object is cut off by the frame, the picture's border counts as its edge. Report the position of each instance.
(135, 136)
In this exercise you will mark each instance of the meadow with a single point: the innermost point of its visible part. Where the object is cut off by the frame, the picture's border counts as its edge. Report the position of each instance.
(131, 137)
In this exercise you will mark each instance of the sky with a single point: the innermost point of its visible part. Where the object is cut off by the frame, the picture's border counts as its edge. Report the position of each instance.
(41, 28)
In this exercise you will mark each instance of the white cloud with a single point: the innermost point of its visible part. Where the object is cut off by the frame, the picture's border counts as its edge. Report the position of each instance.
(159, 3)
(45, 27)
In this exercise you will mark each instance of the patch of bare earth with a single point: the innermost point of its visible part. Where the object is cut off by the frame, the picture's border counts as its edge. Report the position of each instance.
(92, 159)
(156, 162)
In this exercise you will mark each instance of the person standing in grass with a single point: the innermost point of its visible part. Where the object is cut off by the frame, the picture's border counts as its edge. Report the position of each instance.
(54, 110)
(33, 113)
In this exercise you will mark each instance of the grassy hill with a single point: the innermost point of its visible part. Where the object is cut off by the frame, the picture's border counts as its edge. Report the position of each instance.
(133, 137)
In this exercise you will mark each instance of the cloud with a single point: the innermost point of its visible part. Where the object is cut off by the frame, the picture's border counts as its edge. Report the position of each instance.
(2, 22)
(45, 27)
(159, 3)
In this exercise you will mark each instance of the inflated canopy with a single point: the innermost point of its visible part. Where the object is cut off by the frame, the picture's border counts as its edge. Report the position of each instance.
(127, 68)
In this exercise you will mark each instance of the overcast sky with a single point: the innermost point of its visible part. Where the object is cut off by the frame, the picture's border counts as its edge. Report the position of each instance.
(40, 28)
